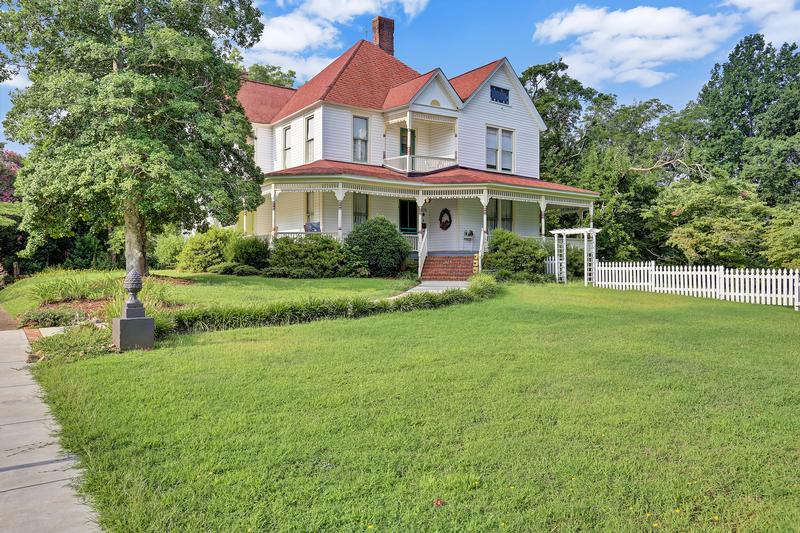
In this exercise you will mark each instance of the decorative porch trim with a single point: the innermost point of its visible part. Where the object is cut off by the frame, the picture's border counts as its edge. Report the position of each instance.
(378, 187)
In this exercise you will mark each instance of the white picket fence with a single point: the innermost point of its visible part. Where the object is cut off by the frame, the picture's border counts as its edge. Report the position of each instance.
(550, 265)
(750, 285)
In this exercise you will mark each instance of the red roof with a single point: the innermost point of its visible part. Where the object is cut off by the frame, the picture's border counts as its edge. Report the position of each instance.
(404, 93)
(262, 101)
(468, 83)
(450, 176)
(360, 77)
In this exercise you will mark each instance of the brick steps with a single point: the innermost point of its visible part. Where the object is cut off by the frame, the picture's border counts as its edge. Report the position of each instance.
(448, 268)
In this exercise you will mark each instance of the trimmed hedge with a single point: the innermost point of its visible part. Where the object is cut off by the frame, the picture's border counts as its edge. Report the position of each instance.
(283, 313)
(314, 256)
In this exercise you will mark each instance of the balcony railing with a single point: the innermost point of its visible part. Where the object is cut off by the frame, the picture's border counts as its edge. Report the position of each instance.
(419, 163)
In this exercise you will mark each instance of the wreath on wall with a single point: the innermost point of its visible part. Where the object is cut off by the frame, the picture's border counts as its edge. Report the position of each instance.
(445, 219)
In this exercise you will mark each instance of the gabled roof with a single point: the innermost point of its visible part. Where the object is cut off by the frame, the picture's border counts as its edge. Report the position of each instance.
(405, 92)
(262, 101)
(450, 176)
(466, 84)
(360, 77)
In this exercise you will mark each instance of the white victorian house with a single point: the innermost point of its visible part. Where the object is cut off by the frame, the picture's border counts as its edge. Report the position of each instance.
(446, 159)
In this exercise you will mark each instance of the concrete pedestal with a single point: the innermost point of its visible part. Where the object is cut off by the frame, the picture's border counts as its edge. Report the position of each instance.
(133, 333)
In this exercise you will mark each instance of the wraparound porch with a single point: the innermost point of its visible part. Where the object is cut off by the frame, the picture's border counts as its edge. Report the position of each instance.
(434, 218)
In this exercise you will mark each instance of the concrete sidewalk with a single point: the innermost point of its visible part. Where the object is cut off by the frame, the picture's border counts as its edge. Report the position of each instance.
(36, 475)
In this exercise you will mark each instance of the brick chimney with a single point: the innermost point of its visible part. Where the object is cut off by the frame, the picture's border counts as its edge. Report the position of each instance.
(383, 34)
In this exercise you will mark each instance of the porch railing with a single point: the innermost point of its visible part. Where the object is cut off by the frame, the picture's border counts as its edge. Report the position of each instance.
(422, 253)
(419, 163)
(413, 240)
(481, 250)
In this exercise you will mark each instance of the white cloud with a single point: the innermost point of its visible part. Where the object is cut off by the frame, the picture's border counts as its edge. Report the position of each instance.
(633, 45)
(778, 20)
(295, 32)
(17, 81)
(296, 40)
(305, 66)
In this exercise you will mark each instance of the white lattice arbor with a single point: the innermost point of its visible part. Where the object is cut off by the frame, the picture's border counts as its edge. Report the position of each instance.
(589, 236)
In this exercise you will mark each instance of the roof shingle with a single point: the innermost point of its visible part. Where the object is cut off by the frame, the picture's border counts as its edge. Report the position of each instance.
(262, 101)
(467, 83)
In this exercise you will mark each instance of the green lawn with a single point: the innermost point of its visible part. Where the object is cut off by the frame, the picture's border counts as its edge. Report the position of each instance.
(547, 408)
(214, 289)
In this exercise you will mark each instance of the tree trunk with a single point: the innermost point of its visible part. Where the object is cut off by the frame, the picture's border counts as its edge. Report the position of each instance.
(135, 239)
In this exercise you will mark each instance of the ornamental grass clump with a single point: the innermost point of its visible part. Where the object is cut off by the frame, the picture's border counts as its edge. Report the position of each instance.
(60, 285)
(76, 343)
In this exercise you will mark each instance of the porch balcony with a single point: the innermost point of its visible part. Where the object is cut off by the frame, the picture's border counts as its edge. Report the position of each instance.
(419, 163)
(420, 142)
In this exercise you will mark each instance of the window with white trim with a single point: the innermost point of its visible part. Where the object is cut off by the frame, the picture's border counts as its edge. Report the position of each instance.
(360, 134)
(499, 149)
(287, 146)
(309, 139)
(499, 214)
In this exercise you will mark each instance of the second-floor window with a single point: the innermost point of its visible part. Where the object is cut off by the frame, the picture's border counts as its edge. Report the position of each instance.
(287, 146)
(360, 127)
(360, 208)
(499, 149)
(310, 139)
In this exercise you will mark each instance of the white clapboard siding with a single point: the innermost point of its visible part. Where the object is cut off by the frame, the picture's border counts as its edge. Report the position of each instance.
(767, 286)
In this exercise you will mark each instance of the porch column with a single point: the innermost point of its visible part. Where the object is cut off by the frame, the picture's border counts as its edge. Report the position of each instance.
(591, 215)
(484, 198)
(420, 203)
(274, 198)
(542, 208)
(340, 193)
(408, 141)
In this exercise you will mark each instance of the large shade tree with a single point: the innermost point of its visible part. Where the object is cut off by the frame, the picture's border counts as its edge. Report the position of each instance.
(131, 114)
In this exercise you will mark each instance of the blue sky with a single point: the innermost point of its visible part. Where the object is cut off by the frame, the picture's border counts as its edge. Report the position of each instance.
(658, 49)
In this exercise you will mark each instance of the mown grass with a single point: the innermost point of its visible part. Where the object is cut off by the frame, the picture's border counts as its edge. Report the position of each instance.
(207, 289)
(547, 408)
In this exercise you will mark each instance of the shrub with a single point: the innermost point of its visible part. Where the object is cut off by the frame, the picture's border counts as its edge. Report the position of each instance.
(379, 244)
(222, 268)
(314, 256)
(515, 257)
(80, 342)
(574, 262)
(167, 248)
(203, 250)
(483, 285)
(88, 252)
(250, 251)
(246, 270)
(48, 318)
